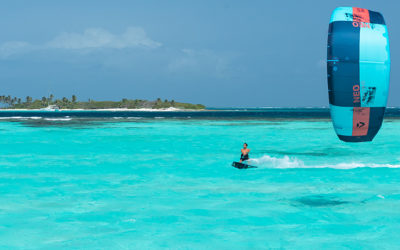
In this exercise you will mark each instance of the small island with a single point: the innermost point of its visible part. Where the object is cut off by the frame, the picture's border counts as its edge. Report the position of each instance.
(10, 102)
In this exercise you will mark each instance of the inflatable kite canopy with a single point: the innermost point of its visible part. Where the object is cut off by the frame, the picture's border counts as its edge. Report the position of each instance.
(358, 72)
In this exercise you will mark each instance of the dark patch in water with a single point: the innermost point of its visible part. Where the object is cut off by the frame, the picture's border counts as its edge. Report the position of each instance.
(251, 124)
(328, 151)
(319, 201)
(138, 128)
(316, 128)
(75, 123)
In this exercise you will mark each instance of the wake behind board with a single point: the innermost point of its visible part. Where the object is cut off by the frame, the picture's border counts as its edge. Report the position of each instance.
(241, 165)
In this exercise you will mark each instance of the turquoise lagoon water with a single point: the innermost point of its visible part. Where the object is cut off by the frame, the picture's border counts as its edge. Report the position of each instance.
(151, 183)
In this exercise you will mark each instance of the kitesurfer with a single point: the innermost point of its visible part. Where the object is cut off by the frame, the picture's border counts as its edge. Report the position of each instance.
(245, 153)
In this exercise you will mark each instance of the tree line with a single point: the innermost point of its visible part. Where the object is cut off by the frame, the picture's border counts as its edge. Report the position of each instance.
(72, 103)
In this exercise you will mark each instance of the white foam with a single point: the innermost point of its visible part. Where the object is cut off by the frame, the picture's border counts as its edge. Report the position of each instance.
(5, 118)
(58, 119)
(130, 220)
(273, 162)
(267, 161)
(21, 117)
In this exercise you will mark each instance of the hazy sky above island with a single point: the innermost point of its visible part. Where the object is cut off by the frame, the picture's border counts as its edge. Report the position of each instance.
(218, 53)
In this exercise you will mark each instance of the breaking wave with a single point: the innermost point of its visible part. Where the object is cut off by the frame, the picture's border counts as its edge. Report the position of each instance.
(66, 118)
(58, 119)
(20, 117)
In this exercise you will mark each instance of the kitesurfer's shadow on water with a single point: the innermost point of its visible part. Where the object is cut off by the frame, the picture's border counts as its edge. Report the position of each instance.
(328, 200)
(318, 201)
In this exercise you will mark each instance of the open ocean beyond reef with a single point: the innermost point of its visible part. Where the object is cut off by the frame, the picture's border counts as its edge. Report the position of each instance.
(154, 180)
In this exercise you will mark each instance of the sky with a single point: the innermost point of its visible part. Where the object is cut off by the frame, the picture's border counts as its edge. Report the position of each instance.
(223, 53)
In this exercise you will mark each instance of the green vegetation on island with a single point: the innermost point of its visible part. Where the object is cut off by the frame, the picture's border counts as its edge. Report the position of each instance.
(10, 102)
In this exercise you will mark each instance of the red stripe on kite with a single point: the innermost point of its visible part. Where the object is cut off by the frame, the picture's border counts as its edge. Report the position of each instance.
(360, 15)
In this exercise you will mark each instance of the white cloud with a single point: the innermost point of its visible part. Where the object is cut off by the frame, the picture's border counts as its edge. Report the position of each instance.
(100, 38)
(13, 47)
(95, 38)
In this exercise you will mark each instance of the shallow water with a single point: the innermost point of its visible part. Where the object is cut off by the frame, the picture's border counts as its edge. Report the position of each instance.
(150, 183)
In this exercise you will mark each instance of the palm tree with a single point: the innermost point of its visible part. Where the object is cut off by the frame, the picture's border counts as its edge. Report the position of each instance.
(124, 103)
(28, 99)
(73, 98)
(51, 97)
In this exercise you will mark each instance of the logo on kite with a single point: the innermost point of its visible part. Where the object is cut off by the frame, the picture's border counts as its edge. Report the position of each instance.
(356, 93)
(361, 25)
(360, 124)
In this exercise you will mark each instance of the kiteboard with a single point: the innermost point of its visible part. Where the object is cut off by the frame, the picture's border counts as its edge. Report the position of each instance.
(241, 165)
